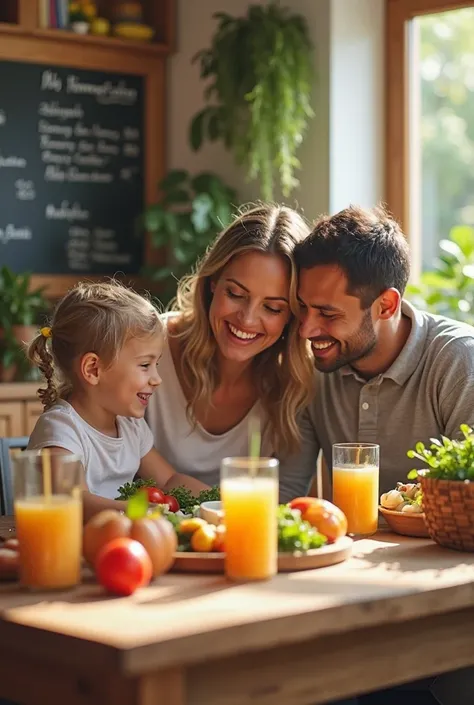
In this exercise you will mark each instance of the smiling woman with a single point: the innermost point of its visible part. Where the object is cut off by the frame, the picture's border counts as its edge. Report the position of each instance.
(234, 350)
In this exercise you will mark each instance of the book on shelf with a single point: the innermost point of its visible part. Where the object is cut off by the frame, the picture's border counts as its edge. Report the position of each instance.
(54, 14)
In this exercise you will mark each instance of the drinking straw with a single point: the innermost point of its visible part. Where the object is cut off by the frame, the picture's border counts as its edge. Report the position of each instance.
(46, 460)
(255, 439)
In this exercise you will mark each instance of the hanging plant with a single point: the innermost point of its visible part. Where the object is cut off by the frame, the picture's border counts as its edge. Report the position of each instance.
(259, 69)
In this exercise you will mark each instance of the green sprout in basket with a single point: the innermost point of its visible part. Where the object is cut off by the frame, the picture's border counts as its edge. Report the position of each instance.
(447, 459)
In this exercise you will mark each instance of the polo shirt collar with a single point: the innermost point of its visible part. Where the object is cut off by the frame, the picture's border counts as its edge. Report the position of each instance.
(406, 363)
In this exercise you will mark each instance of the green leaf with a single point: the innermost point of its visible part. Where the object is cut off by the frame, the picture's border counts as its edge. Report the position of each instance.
(213, 127)
(153, 218)
(180, 254)
(178, 195)
(451, 248)
(171, 222)
(202, 206)
(173, 179)
(468, 271)
(205, 182)
(413, 475)
(196, 130)
(463, 236)
(137, 505)
(159, 238)
(186, 236)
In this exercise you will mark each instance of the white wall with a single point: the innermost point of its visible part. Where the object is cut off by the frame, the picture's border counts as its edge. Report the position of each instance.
(356, 133)
(342, 155)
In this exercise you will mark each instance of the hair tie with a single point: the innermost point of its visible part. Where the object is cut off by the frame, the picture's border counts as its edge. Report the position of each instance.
(46, 332)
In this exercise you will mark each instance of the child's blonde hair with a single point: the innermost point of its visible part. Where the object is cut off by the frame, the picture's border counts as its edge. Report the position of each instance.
(97, 318)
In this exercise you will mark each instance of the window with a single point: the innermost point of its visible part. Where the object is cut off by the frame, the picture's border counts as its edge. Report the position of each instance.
(430, 121)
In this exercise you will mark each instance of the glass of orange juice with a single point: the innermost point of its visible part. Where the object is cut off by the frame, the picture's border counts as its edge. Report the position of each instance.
(249, 491)
(48, 518)
(355, 489)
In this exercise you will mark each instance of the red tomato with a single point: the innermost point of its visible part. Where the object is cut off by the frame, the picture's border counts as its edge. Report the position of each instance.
(155, 495)
(302, 503)
(172, 503)
(122, 566)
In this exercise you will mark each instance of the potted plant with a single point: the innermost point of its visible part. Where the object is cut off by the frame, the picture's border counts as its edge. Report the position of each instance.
(448, 289)
(190, 213)
(448, 488)
(20, 309)
(259, 73)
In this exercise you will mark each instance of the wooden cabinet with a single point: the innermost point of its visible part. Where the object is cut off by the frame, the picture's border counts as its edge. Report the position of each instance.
(19, 409)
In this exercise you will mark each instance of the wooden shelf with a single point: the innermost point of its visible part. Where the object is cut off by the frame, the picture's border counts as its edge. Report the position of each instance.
(21, 18)
(88, 40)
(9, 11)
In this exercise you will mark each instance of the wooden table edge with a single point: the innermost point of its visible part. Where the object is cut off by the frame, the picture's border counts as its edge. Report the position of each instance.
(295, 628)
(226, 641)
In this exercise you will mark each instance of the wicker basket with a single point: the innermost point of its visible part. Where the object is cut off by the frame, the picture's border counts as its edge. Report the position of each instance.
(449, 512)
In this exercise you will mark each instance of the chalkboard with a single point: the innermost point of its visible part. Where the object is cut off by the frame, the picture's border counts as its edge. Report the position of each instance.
(71, 169)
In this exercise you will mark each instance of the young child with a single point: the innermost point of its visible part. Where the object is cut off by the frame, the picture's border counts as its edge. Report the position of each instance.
(99, 358)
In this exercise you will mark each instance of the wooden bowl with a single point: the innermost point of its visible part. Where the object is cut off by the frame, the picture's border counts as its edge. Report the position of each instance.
(405, 524)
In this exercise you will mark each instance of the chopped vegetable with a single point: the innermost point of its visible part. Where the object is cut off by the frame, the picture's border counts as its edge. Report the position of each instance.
(295, 534)
(185, 498)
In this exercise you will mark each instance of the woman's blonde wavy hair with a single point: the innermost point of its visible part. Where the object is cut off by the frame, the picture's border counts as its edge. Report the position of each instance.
(283, 372)
(97, 318)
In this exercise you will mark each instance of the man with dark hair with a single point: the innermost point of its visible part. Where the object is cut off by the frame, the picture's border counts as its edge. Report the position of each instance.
(386, 372)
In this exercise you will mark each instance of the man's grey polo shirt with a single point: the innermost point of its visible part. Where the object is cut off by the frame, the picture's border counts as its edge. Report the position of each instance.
(428, 391)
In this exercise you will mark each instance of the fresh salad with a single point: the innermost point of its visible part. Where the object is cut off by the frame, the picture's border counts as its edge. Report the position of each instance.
(179, 499)
(303, 524)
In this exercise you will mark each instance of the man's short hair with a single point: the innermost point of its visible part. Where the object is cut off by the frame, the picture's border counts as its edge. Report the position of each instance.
(368, 246)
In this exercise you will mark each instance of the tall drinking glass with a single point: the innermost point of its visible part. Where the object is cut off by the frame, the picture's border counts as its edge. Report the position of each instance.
(355, 477)
(48, 517)
(249, 490)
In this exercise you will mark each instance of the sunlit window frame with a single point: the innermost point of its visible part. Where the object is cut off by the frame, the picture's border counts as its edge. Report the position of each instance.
(402, 190)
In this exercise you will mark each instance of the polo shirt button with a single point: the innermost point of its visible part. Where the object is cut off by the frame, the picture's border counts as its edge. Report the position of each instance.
(365, 406)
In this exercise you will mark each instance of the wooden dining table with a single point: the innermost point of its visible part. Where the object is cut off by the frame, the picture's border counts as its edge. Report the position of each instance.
(399, 609)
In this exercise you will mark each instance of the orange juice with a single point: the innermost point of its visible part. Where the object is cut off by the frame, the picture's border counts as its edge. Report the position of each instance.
(356, 492)
(50, 536)
(250, 506)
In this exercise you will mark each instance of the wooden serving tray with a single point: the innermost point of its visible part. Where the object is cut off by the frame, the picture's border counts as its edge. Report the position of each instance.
(189, 562)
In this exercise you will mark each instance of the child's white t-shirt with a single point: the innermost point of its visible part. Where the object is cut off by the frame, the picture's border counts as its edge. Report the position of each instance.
(108, 462)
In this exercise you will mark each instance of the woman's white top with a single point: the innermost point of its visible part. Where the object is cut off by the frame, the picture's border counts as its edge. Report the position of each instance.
(193, 450)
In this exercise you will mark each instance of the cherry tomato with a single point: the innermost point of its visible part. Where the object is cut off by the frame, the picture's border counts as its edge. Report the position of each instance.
(172, 503)
(155, 495)
(122, 566)
(301, 503)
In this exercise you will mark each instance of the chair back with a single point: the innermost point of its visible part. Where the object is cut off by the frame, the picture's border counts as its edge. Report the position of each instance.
(6, 484)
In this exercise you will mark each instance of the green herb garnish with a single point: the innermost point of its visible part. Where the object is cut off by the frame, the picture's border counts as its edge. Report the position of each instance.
(295, 534)
(447, 459)
(131, 488)
(186, 500)
(137, 505)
